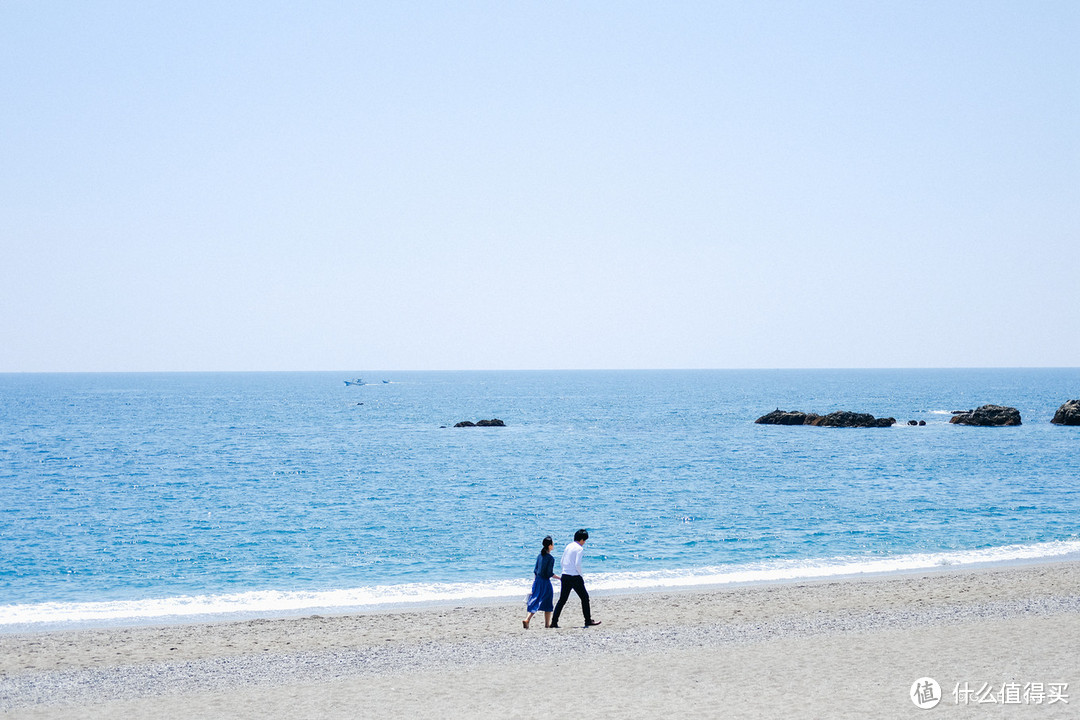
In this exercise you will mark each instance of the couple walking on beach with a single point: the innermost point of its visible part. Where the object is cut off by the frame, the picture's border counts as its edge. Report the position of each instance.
(571, 580)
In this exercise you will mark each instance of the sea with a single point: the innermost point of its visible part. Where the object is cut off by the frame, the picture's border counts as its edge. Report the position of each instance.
(162, 498)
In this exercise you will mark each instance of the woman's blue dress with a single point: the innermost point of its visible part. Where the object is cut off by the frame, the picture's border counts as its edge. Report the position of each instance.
(540, 599)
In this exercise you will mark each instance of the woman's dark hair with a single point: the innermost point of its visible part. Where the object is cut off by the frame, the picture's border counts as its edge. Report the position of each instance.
(582, 534)
(548, 542)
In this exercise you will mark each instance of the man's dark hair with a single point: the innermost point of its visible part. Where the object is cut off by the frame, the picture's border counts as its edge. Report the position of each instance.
(581, 534)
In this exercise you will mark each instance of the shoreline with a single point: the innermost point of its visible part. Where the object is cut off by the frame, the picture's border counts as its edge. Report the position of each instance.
(298, 604)
(868, 638)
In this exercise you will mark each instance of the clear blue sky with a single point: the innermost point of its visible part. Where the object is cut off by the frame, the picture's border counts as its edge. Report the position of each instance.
(433, 185)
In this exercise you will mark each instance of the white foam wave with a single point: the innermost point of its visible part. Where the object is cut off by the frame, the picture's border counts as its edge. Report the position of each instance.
(255, 603)
(276, 603)
(781, 570)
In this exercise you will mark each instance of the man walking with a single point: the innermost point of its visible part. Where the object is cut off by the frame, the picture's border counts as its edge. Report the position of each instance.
(572, 579)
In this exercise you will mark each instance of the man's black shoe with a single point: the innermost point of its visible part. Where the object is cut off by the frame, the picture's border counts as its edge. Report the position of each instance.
(553, 625)
(592, 622)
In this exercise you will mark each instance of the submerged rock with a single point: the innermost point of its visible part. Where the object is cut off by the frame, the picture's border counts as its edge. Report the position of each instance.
(987, 416)
(1068, 413)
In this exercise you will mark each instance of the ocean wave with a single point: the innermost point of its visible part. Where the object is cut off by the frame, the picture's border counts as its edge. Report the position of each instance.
(277, 603)
(255, 603)
(808, 569)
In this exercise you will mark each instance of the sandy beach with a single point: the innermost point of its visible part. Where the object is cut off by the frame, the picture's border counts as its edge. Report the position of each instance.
(999, 642)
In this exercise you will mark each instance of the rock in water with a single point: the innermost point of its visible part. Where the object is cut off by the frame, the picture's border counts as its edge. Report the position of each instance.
(852, 420)
(987, 416)
(1068, 413)
(836, 419)
(782, 417)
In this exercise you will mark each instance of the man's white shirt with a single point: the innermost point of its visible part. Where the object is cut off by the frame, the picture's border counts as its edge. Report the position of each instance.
(571, 559)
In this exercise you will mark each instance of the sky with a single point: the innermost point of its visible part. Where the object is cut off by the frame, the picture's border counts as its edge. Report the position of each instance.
(196, 186)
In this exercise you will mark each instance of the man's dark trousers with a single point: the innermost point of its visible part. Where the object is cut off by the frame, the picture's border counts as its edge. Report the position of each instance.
(577, 584)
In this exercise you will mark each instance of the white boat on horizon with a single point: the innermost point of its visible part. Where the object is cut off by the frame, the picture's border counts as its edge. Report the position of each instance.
(357, 381)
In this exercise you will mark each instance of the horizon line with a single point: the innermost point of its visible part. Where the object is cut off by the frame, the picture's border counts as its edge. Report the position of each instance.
(533, 370)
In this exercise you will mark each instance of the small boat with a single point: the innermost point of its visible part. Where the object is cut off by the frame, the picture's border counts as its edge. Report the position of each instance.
(357, 381)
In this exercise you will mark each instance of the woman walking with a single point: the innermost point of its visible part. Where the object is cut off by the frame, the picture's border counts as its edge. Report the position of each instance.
(540, 599)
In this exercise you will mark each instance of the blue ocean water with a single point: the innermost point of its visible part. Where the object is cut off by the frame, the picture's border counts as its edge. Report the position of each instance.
(151, 496)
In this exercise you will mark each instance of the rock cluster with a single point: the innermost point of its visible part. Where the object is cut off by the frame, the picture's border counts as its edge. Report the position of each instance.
(987, 416)
(1068, 413)
(842, 418)
(493, 422)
